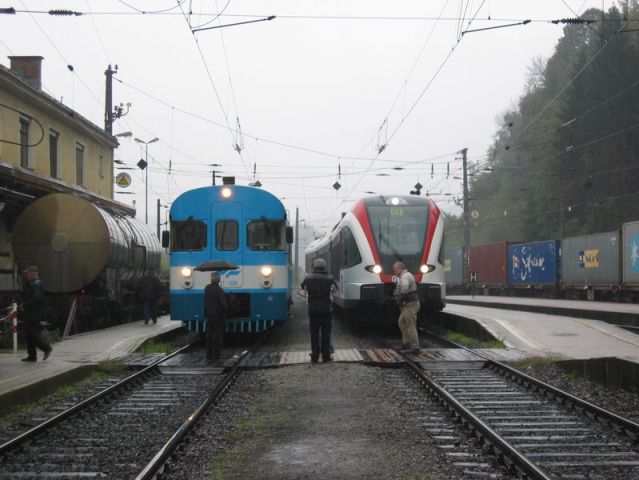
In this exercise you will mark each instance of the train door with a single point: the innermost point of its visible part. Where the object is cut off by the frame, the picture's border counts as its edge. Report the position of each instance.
(229, 232)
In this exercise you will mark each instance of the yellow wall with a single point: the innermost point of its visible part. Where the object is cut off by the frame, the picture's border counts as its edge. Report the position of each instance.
(98, 147)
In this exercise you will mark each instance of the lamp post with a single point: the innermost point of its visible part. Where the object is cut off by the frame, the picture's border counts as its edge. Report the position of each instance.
(144, 165)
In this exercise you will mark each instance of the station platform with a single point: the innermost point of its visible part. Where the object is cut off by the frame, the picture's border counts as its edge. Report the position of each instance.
(549, 334)
(71, 358)
(615, 313)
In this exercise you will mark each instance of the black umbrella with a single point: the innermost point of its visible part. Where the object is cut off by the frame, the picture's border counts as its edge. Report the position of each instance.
(216, 266)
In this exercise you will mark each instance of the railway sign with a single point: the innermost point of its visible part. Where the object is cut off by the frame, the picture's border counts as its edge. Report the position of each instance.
(473, 277)
(123, 180)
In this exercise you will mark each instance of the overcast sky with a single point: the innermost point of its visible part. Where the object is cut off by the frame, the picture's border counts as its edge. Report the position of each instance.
(324, 84)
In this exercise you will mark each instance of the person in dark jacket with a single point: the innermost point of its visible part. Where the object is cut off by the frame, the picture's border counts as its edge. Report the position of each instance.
(215, 313)
(151, 291)
(318, 285)
(31, 309)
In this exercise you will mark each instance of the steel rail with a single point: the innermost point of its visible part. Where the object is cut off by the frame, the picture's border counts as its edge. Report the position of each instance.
(510, 453)
(507, 451)
(629, 427)
(23, 437)
(156, 465)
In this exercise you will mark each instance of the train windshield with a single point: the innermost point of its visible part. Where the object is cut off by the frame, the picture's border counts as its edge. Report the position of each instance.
(267, 235)
(399, 233)
(188, 235)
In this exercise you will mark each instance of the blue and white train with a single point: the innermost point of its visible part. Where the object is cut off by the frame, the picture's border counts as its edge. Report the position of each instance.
(244, 225)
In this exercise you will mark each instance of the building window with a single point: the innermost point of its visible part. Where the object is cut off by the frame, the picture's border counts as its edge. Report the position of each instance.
(25, 162)
(53, 152)
(226, 235)
(79, 164)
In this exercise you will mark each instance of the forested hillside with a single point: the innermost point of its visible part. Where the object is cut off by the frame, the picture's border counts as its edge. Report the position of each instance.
(565, 160)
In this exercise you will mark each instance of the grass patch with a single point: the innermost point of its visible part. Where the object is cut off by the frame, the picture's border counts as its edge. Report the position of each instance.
(169, 343)
(470, 341)
(244, 429)
(156, 347)
(103, 371)
(534, 362)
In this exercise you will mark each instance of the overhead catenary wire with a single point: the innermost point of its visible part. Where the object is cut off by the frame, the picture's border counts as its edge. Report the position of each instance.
(215, 91)
(419, 97)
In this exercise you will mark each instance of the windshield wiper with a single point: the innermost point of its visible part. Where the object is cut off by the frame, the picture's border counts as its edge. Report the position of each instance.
(389, 244)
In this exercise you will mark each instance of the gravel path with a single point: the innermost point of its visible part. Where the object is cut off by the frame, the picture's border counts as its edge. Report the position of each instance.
(316, 421)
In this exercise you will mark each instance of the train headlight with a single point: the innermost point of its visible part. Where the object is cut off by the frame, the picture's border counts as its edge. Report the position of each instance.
(267, 279)
(426, 268)
(226, 193)
(377, 269)
(186, 272)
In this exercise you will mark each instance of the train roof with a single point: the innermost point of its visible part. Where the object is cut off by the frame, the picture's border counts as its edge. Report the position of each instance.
(383, 200)
(197, 202)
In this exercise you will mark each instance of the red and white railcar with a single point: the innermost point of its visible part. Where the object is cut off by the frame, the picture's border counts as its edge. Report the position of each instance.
(378, 231)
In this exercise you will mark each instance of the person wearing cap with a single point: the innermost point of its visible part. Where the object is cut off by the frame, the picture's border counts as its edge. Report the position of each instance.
(31, 309)
(318, 285)
(215, 313)
(407, 299)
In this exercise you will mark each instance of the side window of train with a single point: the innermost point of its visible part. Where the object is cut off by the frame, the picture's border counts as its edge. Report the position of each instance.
(442, 248)
(351, 252)
(267, 235)
(189, 235)
(226, 235)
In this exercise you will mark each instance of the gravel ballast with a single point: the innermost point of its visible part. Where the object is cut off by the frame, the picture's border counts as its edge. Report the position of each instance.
(316, 421)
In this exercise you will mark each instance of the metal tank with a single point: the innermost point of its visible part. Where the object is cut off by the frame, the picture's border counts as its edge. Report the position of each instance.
(74, 242)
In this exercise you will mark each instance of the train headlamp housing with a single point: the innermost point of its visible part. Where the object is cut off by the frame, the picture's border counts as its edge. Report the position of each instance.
(426, 268)
(377, 269)
(226, 193)
(186, 272)
(267, 276)
(395, 201)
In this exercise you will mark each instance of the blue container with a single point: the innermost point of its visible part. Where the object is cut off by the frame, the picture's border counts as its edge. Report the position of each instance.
(536, 263)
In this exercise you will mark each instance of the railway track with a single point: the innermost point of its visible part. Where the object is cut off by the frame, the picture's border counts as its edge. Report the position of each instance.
(536, 430)
(122, 431)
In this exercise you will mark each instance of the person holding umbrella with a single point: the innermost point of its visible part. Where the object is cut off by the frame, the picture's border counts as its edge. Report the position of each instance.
(215, 313)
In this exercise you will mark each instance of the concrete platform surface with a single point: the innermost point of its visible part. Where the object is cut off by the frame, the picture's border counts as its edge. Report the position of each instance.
(553, 335)
(76, 352)
(629, 308)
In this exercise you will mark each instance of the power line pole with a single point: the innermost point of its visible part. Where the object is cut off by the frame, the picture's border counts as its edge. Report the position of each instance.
(297, 244)
(108, 100)
(465, 213)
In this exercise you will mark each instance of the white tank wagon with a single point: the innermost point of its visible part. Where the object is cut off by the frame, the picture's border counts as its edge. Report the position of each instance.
(84, 249)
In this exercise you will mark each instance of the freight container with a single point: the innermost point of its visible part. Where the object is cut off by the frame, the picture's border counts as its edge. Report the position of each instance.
(630, 260)
(487, 265)
(535, 264)
(591, 261)
(454, 265)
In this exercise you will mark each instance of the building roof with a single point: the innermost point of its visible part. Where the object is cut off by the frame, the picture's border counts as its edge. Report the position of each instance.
(55, 107)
